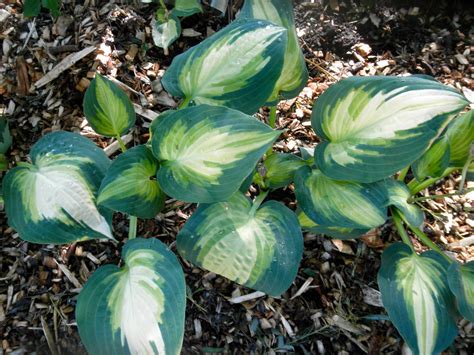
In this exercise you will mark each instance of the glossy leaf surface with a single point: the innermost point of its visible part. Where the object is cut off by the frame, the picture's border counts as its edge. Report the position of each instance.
(206, 152)
(136, 309)
(107, 108)
(53, 200)
(130, 185)
(259, 249)
(373, 127)
(237, 67)
(416, 295)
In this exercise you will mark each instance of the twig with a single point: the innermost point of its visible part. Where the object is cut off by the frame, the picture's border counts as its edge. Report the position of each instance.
(245, 298)
(65, 64)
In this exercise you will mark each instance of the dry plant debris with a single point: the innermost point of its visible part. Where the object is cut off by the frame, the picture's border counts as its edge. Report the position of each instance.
(334, 306)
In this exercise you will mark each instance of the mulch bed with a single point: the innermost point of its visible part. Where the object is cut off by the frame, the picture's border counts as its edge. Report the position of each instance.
(333, 306)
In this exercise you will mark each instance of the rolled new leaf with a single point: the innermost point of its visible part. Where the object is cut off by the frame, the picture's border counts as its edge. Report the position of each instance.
(166, 28)
(294, 73)
(397, 195)
(461, 283)
(460, 134)
(260, 249)
(416, 295)
(335, 232)
(280, 169)
(130, 185)
(53, 200)
(206, 152)
(435, 160)
(237, 67)
(136, 309)
(373, 127)
(108, 109)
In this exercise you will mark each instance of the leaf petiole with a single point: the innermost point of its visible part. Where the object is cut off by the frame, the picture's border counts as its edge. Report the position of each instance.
(132, 228)
(258, 201)
(417, 187)
(401, 230)
(121, 143)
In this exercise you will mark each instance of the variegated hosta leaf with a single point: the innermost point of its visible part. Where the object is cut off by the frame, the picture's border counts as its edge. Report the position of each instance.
(280, 12)
(155, 122)
(280, 169)
(259, 249)
(343, 204)
(107, 108)
(461, 283)
(434, 161)
(373, 127)
(335, 232)
(237, 67)
(53, 200)
(206, 152)
(397, 195)
(166, 28)
(137, 309)
(130, 184)
(417, 298)
(332, 203)
(460, 135)
(5, 136)
(184, 8)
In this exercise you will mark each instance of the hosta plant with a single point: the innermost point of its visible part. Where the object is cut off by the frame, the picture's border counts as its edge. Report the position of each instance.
(209, 151)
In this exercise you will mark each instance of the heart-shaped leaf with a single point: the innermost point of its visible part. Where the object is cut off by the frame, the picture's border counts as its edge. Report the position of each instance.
(237, 67)
(280, 12)
(460, 135)
(461, 283)
(416, 295)
(166, 28)
(335, 232)
(280, 169)
(183, 8)
(373, 127)
(435, 160)
(332, 203)
(343, 204)
(136, 309)
(206, 152)
(53, 200)
(260, 249)
(107, 108)
(130, 184)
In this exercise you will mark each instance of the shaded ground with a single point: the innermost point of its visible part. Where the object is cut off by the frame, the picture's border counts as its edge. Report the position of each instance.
(333, 306)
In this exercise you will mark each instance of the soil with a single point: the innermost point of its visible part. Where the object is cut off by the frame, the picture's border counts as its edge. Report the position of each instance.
(333, 306)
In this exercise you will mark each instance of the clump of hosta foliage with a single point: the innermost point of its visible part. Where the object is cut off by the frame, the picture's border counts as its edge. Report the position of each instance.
(211, 149)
